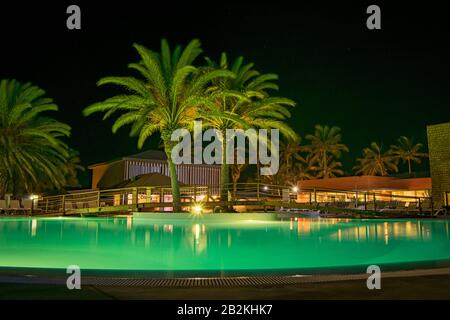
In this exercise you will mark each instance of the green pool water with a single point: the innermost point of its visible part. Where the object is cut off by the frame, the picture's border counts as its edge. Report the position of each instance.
(204, 246)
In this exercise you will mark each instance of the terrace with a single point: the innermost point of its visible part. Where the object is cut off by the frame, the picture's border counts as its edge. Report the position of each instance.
(246, 197)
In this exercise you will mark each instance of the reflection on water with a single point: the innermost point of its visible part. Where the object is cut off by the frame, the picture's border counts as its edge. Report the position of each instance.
(127, 243)
(372, 229)
(33, 227)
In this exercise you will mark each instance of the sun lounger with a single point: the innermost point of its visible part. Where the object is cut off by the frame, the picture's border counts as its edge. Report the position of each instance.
(80, 205)
(14, 207)
(426, 206)
(401, 206)
(68, 205)
(382, 204)
(441, 210)
(395, 207)
(350, 205)
(413, 207)
(27, 205)
(3, 206)
(92, 204)
(322, 204)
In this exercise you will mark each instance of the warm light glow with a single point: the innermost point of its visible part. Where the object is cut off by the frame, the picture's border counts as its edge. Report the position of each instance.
(265, 188)
(197, 209)
(201, 197)
(295, 189)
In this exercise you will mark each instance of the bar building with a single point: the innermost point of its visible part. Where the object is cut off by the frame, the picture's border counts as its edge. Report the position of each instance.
(345, 188)
(111, 174)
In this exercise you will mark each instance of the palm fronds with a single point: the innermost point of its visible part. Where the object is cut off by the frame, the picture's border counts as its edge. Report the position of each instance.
(33, 154)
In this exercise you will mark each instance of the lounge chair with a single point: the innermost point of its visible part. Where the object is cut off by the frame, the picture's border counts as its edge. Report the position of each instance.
(401, 206)
(68, 205)
(3, 206)
(395, 207)
(27, 205)
(350, 205)
(426, 206)
(381, 205)
(441, 210)
(413, 207)
(14, 206)
(92, 204)
(80, 205)
(322, 204)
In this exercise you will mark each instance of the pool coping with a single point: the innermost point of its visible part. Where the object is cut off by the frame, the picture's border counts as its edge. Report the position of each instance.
(205, 282)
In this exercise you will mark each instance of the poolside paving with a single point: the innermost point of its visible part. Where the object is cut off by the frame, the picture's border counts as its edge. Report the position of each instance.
(419, 287)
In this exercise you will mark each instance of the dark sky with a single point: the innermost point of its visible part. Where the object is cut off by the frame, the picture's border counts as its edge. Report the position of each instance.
(375, 84)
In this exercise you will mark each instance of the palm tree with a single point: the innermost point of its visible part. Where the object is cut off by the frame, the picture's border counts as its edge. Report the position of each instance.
(293, 165)
(244, 102)
(375, 162)
(331, 170)
(304, 169)
(236, 170)
(166, 98)
(408, 152)
(31, 147)
(73, 166)
(325, 145)
(290, 153)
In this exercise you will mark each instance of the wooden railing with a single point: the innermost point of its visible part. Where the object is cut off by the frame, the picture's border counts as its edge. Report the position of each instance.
(160, 198)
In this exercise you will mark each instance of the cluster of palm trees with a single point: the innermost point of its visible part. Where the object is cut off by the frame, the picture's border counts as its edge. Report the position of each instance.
(376, 161)
(34, 156)
(319, 157)
(173, 89)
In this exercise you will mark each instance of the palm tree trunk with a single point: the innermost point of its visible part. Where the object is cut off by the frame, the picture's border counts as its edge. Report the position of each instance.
(224, 172)
(287, 166)
(176, 196)
(409, 166)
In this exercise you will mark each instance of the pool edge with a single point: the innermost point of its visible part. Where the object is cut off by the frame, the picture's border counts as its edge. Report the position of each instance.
(190, 282)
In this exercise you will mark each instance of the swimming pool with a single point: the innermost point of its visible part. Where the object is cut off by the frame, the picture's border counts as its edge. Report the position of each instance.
(221, 247)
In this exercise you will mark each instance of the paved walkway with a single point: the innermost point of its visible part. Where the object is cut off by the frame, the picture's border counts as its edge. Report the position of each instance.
(419, 287)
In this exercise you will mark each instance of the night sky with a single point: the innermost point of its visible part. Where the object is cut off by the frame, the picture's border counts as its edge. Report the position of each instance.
(374, 84)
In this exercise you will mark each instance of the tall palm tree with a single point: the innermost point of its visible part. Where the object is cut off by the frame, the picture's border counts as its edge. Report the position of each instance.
(408, 151)
(236, 171)
(304, 169)
(73, 166)
(331, 170)
(325, 146)
(375, 162)
(290, 153)
(244, 102)
(293, 165)
(32, 151)
(165, 98)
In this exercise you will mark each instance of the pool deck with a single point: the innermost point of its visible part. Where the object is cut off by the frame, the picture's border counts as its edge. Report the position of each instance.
(412, 284)
(424, 287)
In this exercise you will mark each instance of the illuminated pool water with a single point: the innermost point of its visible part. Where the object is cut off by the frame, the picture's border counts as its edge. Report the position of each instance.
(221, 246)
